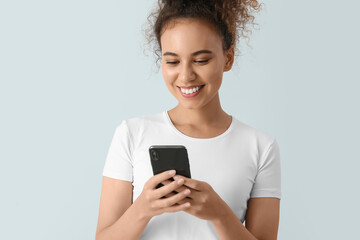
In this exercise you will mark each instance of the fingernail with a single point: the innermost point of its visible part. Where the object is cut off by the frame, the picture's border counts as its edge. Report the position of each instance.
(172, 172)
(180, 181)
(187, 191)
(176, 177)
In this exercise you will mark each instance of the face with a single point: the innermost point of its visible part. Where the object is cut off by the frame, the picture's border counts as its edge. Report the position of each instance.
(192, 56)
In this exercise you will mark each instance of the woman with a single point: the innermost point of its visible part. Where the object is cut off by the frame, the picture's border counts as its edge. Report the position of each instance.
(235, 168)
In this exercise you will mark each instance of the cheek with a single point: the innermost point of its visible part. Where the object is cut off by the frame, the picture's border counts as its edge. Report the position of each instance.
(170, 79)
(169, 75)
(213, 75)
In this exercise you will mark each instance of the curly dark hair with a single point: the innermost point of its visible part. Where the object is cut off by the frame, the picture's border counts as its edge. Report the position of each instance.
(226, 15)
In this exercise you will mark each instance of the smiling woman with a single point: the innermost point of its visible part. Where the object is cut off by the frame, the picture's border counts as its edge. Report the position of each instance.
(235, 168)
(196, 48)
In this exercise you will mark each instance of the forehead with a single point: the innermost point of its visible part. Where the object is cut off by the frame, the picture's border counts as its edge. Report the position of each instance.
(188, 35)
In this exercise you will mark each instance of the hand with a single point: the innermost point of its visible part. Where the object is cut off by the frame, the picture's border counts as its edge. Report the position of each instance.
(205, 202)
(149, 201)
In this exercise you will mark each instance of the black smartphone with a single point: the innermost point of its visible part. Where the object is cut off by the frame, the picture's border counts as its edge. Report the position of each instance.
(167, 157)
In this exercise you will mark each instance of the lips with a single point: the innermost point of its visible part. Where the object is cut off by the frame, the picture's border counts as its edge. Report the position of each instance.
(191, 95)
(191, 87)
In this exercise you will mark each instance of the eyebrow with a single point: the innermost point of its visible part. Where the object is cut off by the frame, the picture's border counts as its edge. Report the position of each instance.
(193, 54)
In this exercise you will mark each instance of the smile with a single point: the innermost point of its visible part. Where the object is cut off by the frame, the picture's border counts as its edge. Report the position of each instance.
(189, 93)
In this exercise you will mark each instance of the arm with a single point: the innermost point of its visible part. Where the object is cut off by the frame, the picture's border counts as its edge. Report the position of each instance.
(262, 220)
(118, 217)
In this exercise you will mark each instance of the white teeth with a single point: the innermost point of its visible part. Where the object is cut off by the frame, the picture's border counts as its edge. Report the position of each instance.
(189, 91)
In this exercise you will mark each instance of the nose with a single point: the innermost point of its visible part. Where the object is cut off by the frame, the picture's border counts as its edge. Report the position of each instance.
(186, 73)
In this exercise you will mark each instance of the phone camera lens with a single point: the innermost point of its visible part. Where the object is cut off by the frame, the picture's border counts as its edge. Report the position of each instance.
(155, 155)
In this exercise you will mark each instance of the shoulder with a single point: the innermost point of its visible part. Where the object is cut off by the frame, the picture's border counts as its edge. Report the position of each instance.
(145, 119)
(255, 140)
(253, 134)
(136, 125)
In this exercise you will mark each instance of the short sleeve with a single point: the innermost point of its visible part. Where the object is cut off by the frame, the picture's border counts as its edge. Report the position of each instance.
(268, 179)
(118, 162)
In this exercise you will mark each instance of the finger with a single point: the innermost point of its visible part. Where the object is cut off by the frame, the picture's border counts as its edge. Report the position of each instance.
(185, 200)
(162, 191)
(194, 193)
(171, 179)
(156, 179)
(192, 183)
(173, 193)
(182, 188)
(179, 189)
(170, 194)
(168, 202)
(165, 182)
(177, 207)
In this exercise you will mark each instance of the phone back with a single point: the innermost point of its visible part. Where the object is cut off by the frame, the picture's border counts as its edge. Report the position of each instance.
(167, 157)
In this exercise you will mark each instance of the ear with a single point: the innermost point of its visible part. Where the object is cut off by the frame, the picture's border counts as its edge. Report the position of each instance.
(229, 58)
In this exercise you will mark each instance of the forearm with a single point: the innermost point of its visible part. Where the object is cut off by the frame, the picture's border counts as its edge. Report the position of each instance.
(129, 226)
(229, 227)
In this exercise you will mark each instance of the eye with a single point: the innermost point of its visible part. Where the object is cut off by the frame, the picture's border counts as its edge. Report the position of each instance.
(171, 63)
(204, 61)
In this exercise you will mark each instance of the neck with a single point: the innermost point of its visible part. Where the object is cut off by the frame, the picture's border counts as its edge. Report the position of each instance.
(207, 115)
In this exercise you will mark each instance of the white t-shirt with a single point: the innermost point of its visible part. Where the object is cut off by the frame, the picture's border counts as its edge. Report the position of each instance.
(239, 164)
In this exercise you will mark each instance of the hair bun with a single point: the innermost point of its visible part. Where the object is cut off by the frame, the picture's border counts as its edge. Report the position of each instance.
(185, 3)
(231, 18)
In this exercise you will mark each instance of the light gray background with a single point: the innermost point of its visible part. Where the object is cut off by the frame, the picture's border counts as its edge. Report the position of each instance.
(72, 70)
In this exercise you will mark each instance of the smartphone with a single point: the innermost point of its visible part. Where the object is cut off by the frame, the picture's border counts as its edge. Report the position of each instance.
(167, 157)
